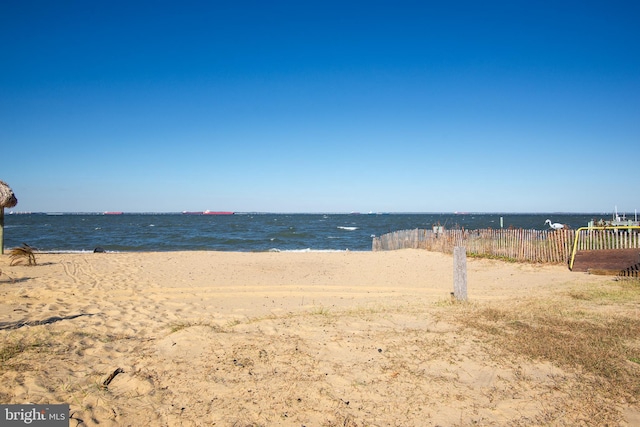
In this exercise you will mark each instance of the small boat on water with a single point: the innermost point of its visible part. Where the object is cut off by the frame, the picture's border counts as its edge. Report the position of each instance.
(616, 221)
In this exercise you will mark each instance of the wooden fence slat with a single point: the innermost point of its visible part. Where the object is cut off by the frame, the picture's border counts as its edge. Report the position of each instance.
(548, 246)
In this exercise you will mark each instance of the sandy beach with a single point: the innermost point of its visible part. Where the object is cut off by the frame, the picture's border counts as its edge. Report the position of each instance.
(317, 339)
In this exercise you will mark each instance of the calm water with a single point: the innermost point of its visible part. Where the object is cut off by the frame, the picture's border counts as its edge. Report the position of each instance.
(243, 232)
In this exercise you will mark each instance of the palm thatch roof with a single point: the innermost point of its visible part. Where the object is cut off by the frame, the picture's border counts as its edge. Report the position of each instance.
(7, 198)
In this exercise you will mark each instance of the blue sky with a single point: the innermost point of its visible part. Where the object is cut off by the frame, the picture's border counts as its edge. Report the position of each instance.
(321, 106)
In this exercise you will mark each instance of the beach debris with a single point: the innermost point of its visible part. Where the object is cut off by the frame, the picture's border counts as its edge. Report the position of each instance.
(21, 253)
(99, 250)
(110, 378)
(72, 416)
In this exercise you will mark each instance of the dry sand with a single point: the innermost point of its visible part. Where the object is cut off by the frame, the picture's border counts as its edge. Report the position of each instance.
(291, 339)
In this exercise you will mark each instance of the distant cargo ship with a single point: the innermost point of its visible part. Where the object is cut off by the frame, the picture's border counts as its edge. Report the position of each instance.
(207, 212)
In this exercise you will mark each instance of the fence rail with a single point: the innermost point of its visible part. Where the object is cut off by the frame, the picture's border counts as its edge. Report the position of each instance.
(546, 246)
(590, 239)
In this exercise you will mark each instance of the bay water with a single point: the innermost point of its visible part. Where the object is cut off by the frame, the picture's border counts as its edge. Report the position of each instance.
(246, 232)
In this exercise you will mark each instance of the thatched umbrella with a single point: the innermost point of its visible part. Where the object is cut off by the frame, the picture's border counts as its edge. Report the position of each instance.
(7, 200)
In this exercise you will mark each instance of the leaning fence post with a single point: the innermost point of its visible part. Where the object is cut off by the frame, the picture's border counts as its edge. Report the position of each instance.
(460, 273)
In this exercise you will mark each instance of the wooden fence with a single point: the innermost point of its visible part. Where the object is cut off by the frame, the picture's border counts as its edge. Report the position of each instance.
(547, 246)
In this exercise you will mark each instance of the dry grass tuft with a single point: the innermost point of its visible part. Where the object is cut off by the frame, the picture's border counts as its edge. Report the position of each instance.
(10, 349)
(179, 326)
(22, 253)
(601, 348)
(620, 291)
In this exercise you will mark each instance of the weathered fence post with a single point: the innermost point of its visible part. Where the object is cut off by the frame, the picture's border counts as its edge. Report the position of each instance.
(460, 273)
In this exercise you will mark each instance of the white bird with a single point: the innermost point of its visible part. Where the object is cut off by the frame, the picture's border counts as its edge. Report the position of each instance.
(554, 225)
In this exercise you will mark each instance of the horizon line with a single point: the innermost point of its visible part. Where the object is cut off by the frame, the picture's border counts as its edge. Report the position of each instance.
(317, 212)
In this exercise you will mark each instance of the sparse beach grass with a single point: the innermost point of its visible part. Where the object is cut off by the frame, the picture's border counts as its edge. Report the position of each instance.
(594, 334)
(21, 343)
(532, 346)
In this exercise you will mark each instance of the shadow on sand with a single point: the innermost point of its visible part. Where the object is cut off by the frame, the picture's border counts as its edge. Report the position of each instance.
(19, 324)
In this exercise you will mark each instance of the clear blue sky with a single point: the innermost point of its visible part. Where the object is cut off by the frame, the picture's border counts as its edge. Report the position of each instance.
(321, 106)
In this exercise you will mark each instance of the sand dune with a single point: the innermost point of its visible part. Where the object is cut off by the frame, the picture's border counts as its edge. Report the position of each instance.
(292, 339)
